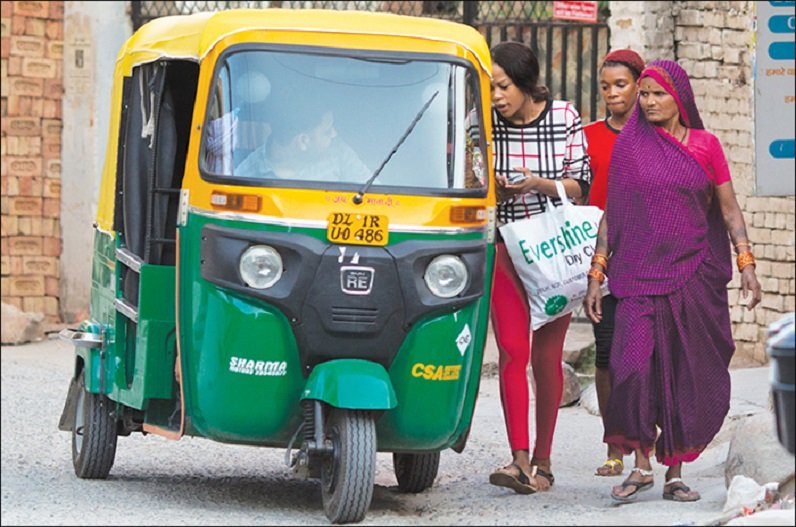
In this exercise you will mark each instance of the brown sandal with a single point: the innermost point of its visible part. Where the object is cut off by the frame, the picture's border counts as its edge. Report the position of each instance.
(536, 471)
(640, 486)
(521, 483)
(676, 485)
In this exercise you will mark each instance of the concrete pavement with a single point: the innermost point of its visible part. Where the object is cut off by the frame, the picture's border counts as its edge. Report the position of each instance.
(199, 481)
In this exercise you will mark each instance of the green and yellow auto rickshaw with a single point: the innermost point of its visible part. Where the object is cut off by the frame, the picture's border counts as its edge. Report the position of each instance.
(293, 246)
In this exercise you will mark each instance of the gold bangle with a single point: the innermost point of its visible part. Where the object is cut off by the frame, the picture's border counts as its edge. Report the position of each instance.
(742, 244)
(596, 274)
(600, 259)
(744, 260)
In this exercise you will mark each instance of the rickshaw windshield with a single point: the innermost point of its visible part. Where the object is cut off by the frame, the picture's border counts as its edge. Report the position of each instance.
(290, 118)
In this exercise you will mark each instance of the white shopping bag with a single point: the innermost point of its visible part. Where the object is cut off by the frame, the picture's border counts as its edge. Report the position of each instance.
(551, 253)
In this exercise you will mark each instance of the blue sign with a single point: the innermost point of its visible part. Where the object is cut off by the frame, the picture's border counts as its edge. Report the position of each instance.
(775, 99)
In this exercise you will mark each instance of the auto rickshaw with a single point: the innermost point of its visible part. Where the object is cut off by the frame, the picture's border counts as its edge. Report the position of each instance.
(293, 246)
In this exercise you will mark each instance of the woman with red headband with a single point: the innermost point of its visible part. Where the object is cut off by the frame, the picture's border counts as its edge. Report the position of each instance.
(664, 238)
(619, 75)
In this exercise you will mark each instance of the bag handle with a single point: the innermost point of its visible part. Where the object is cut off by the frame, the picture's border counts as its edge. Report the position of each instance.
(562, 194)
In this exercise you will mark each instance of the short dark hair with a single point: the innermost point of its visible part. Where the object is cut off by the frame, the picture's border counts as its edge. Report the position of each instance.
(521, 65)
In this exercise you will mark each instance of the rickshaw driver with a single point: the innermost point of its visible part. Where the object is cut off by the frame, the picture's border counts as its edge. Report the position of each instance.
(305, 146)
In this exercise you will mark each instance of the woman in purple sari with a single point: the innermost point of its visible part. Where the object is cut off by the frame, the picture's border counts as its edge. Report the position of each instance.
(664, 245)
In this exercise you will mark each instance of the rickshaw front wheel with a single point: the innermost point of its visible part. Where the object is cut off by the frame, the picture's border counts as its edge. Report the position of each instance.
(348, 474)
(415, 472)
(94, 434)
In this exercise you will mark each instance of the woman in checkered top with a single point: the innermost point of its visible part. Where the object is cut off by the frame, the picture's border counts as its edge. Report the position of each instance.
(536, 141)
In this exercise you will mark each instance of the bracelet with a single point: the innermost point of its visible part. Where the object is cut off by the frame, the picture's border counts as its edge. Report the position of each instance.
(596, 274)
(744, 260)
(601, 260)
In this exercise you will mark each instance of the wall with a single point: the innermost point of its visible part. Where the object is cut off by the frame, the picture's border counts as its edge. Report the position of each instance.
(31, 52)
(93, 34)
(714, 42)
(41, 199)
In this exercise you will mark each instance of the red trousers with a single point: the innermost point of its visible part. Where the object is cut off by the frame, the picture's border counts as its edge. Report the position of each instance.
(517, 345)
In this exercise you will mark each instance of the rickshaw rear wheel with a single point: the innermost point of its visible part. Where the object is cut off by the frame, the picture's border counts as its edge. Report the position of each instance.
(348, 474)
(415, 472)
(94, 434)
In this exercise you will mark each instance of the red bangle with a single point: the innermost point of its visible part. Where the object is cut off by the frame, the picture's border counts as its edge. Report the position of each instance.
(596, 274)
(744, 260)
(600, 259)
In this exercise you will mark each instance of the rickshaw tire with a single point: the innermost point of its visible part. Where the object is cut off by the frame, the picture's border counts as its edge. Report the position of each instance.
(347, 478)
(415, 472)
(95, 457)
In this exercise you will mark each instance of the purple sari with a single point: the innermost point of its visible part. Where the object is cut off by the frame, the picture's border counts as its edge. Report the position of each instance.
(670, 265)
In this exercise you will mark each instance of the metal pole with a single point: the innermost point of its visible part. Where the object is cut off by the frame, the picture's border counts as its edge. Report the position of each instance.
(470, 12)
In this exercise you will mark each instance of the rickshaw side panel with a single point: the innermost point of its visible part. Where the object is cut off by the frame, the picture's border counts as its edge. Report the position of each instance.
(459, 437)
(148, 368)
(129, 368)
(433, 374)
(98, 370)
(241, 371)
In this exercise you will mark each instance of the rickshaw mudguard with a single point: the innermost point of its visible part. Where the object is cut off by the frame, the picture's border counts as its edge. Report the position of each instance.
(70, 406)
(85, 359)
(351, 383)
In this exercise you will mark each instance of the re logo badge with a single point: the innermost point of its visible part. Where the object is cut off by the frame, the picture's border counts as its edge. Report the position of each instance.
(356, 280)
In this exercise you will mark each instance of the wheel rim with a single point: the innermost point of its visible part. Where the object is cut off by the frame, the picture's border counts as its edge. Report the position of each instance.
(330, 464)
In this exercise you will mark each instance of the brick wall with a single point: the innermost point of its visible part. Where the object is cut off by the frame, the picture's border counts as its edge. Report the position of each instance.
(714, 42)
(32, 72)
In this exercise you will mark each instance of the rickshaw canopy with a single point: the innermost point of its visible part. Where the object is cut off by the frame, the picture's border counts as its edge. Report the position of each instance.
(204, 35)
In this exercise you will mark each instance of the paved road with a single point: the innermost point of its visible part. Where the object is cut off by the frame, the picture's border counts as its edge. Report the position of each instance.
(196, 481)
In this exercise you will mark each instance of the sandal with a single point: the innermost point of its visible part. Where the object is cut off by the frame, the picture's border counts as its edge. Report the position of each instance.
(639, 485)
(676, 485)
(536, 471)
(611, 467)
(521, 483)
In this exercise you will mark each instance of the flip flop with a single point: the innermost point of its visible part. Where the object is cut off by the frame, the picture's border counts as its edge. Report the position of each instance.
(675, 485)
(520, 484)
(640, 486)
(615, 467)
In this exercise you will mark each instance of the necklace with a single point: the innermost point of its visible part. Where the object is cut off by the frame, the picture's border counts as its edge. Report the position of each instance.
(685, 133)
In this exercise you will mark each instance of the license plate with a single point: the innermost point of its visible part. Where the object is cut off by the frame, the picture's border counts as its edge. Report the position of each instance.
(357, 229)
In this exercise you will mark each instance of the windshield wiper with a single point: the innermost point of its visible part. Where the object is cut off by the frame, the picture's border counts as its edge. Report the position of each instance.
(359, 195)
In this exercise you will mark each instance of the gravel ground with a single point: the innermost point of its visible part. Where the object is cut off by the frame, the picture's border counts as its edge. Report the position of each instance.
(156, 481)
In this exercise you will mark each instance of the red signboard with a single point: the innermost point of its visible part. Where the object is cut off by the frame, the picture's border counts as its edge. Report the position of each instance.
(575, 10)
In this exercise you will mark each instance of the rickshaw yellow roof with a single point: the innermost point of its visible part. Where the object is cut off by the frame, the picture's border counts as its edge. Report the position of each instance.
(193, 36)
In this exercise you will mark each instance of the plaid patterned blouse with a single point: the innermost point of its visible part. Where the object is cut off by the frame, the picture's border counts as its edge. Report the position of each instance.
(553, 146)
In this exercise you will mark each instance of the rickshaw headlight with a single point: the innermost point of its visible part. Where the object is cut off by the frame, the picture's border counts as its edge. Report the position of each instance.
(446, 276)
(260, 266)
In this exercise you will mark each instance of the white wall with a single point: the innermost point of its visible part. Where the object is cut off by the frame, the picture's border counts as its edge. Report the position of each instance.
(93, 34)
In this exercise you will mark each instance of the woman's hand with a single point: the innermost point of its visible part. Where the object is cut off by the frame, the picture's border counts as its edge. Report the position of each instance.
(500, 188)
(749, 284)
(506, 190)
(593, 303)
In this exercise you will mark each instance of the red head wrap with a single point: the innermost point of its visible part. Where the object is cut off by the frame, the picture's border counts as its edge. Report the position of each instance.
(626, 57)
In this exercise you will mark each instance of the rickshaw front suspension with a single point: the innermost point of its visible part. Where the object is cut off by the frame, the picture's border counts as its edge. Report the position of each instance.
(314, 445)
